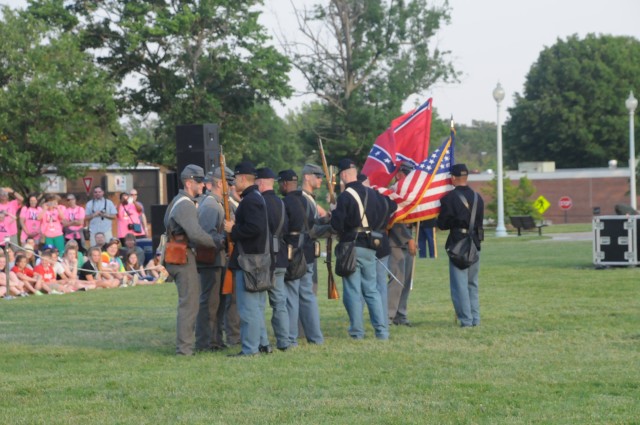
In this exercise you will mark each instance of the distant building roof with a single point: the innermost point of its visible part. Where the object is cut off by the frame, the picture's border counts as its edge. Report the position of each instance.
(111, 167)
(568, 173)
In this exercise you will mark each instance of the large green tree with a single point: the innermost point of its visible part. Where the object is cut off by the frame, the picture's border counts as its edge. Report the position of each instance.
(573, 110)
(363, 59)
(186, 62)
(57, 107)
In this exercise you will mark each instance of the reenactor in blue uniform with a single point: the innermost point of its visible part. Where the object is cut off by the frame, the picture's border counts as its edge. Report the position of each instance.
(302, 303)
(347, 219)
(455, 216)
(249, 233)
(278, 226)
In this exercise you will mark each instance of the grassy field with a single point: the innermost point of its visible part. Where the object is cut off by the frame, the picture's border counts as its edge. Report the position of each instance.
(559, 343)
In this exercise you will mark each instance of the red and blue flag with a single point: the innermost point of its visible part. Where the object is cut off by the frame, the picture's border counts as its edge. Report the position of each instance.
(407, 139)
(418, 194)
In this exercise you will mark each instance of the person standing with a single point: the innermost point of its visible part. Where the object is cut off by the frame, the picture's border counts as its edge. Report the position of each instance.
(209, 335)
(455, 216)
(426, 238)
(383, 252)
(30, 220)
(99, 215)
(302, 303)
(9, 209)
(133, 195)
(403, 251)
(249, 233)
(72, 221)
(231, 318)
(312, 176)
(181, 222)
(128, 218)
(278, 226)
(358, 208)
(52, 217)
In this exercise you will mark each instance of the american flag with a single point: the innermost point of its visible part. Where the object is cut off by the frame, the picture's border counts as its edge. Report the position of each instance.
(418, 195)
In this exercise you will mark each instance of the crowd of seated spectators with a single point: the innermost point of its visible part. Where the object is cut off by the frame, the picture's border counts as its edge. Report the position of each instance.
(50, 258)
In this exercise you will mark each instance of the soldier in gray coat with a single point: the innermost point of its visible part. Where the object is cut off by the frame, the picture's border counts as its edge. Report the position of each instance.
(181, 222)
(209, 336)
(403, 251)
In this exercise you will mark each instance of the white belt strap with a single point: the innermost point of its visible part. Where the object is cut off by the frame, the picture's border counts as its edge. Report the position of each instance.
(352, 192)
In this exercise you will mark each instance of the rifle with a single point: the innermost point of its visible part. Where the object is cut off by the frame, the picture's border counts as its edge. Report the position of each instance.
(227, 284)
(332, 291)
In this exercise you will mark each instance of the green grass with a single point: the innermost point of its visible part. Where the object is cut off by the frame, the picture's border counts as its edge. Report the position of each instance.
(559, 343)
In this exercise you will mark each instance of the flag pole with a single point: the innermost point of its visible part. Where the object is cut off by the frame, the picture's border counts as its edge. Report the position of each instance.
(413, 267)
(435, 244)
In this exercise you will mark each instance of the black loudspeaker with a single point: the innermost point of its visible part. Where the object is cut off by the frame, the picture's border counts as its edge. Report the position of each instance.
(157, 224)
(172, 185)
(197, 144)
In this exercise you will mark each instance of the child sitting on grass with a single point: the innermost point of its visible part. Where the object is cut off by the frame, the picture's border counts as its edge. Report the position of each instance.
(70, 266)
(32, 282)
(135, 269)
(157, 270)
(48, 274)
(16, 286)
(92, 273)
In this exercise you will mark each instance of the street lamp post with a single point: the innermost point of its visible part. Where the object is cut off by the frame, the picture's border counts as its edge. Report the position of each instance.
(498, 95)
(631, 104)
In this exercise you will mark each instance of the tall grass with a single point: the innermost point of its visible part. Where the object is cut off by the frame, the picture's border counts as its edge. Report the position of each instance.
(559, 343)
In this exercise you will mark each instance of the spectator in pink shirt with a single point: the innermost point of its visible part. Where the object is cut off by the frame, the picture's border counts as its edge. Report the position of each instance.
(31, 220)
(133, 196)
(10, 208)
(73, 221)
(6, 221)
(52, 222)
(128, 218)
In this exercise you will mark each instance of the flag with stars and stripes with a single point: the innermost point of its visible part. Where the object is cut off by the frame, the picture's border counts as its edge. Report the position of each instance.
(418, 195)
(407, 139)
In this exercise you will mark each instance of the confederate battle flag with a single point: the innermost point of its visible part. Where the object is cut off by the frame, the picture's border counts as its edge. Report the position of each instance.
(407, 139)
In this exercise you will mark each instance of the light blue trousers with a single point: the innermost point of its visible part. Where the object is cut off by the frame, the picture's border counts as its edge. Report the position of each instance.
(464, 293)
(362, 284)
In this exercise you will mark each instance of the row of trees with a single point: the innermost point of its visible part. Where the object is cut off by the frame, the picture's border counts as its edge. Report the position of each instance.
(109, 80)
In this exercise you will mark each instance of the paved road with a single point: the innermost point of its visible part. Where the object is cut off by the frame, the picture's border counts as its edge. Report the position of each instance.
(579, 236)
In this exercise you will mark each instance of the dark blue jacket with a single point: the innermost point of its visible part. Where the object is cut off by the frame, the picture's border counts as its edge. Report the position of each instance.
(455, 216)
(346, 218)
(301, 220)
(275, 209)
(250, 229)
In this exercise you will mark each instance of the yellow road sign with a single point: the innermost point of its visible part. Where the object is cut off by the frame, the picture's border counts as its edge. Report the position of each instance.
(541, 204)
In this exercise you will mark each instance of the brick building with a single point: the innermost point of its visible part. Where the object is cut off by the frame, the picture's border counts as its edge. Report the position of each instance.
(588, 188)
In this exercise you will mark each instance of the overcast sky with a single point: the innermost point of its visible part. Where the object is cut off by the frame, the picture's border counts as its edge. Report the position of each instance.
(490, 41)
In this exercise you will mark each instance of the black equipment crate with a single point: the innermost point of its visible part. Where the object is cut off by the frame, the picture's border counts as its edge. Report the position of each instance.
(615, 241)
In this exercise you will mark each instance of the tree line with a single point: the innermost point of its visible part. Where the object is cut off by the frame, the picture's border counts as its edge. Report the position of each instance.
(108, 81)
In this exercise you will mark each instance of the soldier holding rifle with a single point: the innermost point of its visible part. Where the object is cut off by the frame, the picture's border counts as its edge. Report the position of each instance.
(302, 303)
(209, 336)
(332, 292)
